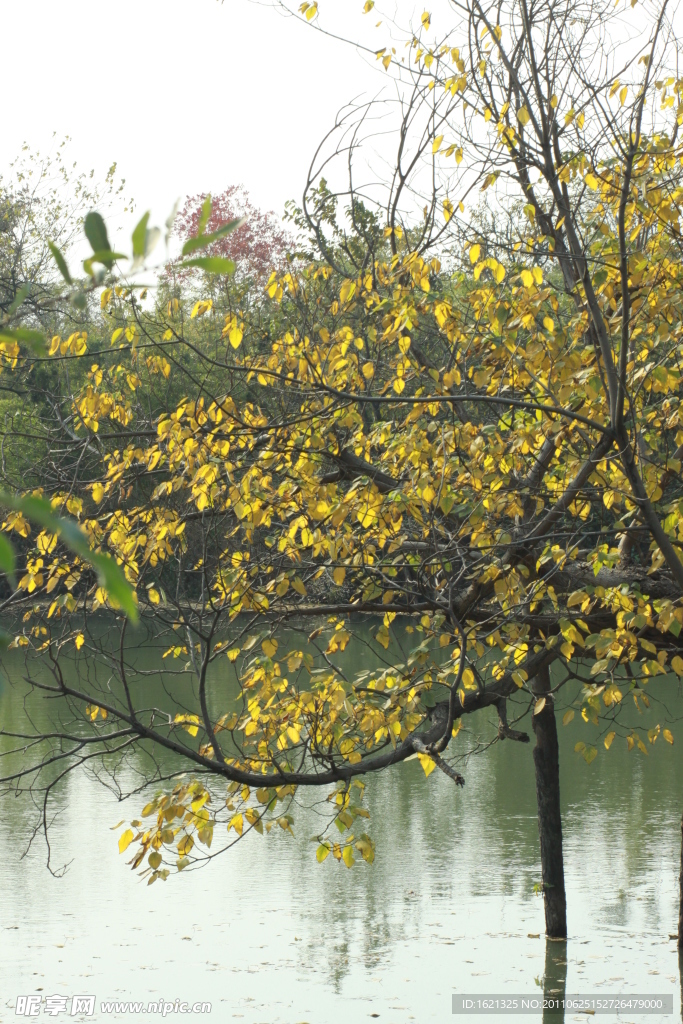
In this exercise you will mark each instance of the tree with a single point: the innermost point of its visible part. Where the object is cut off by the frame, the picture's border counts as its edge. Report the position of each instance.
(257, 246)
(487, 455)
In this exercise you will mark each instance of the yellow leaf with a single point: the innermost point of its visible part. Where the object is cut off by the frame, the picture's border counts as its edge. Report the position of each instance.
(538, 275)
(368, 370)
(79, 641)
(436, 145)
(97, 492)
(369, 4)
(425, 20)
(125, 840)
(447, 210)
(201, 307)
(185, 845)
(269, 647)
(468, 679)
(549, 324)
(339, 575)
(592, 181)
(233, 653)
(153, 595)
(567, 717)
(189, 722)
(347, 291)
(527, 278)
(487, 114)
(298, 585)
(321, 853)
(236, 822)
(474, 253)
(580, 119)
(677, 665)
(667, 736)
(553, 101)
(427, 763)
(348, 857)
(608, 739)
(523, 115)
(539, 705)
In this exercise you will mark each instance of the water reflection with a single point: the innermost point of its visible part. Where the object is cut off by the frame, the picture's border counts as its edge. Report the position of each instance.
(267, 934)
(555, 981)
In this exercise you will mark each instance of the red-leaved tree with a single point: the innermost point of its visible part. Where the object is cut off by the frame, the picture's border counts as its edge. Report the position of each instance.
(257, 248)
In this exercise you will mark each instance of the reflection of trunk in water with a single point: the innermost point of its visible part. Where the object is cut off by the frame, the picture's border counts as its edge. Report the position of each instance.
(680, 921)
(555, 979)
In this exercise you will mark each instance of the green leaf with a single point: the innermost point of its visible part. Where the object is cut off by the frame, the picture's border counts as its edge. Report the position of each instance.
(19, 298)
(114, 582)
(204, 215)
(96, 232)
(34, 339)
(171, 220)
(200, 241)
(151, 239)
(140, 235)
(104, 256)
(60, 261)
(7, 559)
(212, 264)
(110, 574)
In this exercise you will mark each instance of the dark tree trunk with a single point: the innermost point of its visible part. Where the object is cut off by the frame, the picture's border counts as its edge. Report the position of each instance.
(547, 764)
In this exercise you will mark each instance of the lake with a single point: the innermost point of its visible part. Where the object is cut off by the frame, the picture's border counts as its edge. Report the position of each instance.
(266, 934)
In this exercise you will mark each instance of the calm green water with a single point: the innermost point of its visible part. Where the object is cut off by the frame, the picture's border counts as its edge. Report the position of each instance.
(267, 935)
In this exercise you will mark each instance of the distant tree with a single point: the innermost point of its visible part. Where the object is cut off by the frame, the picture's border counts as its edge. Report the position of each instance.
(257, 247)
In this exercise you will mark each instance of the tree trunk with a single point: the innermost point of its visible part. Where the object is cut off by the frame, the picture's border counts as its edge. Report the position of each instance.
(680, 898)
(547, 765)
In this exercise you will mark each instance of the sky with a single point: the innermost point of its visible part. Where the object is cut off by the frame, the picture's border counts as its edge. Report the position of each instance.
(190, 96)
(186, 95)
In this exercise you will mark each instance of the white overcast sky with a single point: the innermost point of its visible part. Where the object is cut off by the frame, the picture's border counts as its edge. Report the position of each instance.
(186, 95)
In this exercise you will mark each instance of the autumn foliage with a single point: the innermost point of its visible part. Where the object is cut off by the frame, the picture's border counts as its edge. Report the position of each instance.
(474, 471)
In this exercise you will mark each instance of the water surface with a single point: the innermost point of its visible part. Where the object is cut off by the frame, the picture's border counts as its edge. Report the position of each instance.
(267, 935)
